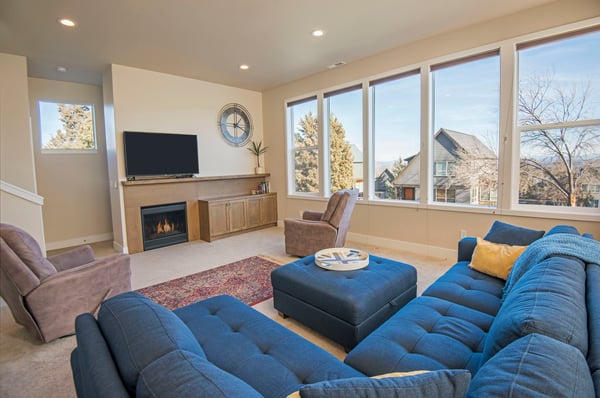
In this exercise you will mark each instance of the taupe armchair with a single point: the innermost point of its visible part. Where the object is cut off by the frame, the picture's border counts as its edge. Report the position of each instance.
(46, 294)
(321, 230)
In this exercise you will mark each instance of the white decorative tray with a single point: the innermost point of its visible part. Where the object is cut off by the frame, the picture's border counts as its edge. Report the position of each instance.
(341, 259)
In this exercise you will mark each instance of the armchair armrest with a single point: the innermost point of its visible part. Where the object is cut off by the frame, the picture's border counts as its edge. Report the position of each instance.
(466, 246)
(72, 258)
(305, 237)
(61, 297)
(312, 215)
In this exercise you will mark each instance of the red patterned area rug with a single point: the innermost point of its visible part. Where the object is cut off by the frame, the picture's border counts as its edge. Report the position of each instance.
(249, 280)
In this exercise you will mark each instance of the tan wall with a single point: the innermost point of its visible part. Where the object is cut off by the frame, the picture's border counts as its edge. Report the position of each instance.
(16, 160)
(437, 228)
(156, 102)
(16, 155)
(77, 206)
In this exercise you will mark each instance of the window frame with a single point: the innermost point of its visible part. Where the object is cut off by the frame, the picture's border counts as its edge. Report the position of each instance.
(525, 42)
(508, 140)
(66, 151)
(291, 149)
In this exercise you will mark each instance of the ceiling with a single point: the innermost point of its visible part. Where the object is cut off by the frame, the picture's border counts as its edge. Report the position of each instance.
(210, 39)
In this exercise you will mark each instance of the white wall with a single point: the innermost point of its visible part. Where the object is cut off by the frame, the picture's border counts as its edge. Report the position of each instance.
(16, 154)
(142, 100)
(75, 186)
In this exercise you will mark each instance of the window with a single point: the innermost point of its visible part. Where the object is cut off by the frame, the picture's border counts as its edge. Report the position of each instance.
(440, 169)
(395, 110)
(345, 132)
(444, 195)
(466, 98)
(549, 115)
(304, 133)
(67, 127)
(559, 121)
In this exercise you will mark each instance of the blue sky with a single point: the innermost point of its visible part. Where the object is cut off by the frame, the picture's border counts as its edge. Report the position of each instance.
(466, 96)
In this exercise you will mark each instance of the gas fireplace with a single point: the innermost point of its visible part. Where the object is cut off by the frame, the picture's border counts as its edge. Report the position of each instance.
(164, 225)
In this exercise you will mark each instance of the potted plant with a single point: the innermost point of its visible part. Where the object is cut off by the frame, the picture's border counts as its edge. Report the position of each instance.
(257, 149)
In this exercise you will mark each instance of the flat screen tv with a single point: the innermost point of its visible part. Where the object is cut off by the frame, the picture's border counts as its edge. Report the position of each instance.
(160, 154)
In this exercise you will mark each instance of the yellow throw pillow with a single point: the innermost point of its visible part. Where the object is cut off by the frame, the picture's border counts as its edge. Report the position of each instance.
(400, 374)
(495, 259)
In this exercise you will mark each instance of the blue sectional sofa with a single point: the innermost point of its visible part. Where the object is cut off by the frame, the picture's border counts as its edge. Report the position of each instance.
(535, 335)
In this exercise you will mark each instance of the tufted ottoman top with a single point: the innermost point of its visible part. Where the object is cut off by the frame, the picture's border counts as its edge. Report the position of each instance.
(349, 295)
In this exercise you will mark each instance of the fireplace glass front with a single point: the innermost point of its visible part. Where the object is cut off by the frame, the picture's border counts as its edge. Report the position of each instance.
(164, 225)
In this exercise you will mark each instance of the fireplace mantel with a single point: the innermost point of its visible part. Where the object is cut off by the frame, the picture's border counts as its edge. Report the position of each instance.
(151, 192)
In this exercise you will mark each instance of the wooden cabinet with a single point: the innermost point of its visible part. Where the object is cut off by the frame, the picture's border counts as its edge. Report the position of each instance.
(261, 210)
(221, 217)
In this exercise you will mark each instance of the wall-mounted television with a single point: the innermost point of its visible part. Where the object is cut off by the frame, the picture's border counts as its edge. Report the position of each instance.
(159, 154)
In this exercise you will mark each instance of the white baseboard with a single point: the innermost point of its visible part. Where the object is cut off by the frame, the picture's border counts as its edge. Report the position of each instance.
(79, 241)
(418, 248)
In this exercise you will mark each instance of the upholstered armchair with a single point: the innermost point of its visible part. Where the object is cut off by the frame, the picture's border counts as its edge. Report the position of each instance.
(46, 294)
(321, 230)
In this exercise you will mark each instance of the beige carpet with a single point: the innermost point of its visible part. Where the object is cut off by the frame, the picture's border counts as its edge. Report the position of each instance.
(31, 369)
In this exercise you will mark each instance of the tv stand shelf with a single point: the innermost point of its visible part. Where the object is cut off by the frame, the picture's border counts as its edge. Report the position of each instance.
(160, 191)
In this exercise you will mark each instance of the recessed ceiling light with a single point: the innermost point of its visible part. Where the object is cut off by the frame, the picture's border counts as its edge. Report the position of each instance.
(61, 69)
(318, 33)
(67, 22)
(244, 67)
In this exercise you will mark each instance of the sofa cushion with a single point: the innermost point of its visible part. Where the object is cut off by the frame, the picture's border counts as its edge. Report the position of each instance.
(184, 374)
(495, 259)
(441, 383)
(94, 370)
(549, 299)
(534, 366)
(593, 303)
(562, 229)
(250, 346)
(139, 331)
(469, 288)
(428, 333)
(508, 234)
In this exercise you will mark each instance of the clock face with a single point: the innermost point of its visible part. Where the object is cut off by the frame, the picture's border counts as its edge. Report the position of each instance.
(235, 124)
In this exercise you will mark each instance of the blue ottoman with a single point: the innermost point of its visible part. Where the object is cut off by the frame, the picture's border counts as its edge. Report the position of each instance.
(344, 306)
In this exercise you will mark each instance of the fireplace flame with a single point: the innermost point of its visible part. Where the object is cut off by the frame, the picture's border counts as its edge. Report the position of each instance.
(164, 227)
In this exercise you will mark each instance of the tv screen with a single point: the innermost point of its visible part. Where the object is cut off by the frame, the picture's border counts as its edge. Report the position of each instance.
(160, 154)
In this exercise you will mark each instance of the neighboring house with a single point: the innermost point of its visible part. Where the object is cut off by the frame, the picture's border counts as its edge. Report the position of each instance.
(383, 184)
(464, 171)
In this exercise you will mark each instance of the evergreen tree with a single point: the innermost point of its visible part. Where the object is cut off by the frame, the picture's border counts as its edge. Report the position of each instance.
(340, 156)
(78, 128)
(306, 142)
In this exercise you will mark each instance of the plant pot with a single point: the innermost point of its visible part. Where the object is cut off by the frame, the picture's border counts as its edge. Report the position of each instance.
(258, 170)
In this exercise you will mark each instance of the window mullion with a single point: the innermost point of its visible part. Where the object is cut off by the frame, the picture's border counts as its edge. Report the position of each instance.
(323, 159)
(559, 125)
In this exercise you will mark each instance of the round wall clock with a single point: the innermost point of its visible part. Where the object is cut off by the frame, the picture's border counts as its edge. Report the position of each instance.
(235, 124)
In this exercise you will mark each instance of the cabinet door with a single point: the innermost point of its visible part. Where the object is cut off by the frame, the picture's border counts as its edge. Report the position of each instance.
(218, 218)
(254, 212)
(268, 209)
(237, 215)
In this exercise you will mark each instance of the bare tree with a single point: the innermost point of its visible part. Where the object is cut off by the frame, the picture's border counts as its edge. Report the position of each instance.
(558, 159)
